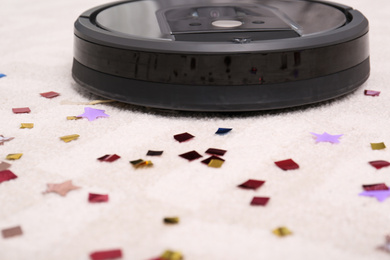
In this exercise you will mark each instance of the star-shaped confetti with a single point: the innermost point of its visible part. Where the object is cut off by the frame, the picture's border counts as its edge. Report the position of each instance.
(288, 164)
(325, 137)
(251, 184)
(380, 195)
(5, 139)
(222, 131)
(379, 164)
(183, 137)
(93, 113)
(61, 188)
(95, 198)
(7, 175)
(107, 254)
(50, 94)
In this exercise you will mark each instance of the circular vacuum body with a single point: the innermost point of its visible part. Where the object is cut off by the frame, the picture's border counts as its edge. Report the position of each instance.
(221, 55)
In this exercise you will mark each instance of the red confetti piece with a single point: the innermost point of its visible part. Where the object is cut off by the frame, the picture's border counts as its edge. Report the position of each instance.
(378, 186)
(7, 175)
(183, 137)
(259, 201)
(109, 158)
(109, 254)
(216, 151)
(50, 94)
(372, 93)
(193, 155)
(208, 160)
(379, 164)
(21, 110)
(94, 198)
(251, 184)
(288, 164)
(12, 232)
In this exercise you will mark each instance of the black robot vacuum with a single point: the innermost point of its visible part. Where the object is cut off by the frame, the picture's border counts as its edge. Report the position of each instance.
(221, 55)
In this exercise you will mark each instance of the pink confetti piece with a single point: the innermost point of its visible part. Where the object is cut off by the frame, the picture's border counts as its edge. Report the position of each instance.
(5, 139)
(50, 94)
(95, 198)
(105, 255)
(183, 137)
(109, 158)
(325, 137)
(208, 160)
(372, 93)
(379, 164)
(93, 113)
(4, 166)
(378, 186)
(259, 201)
(190, 156)
(251, 184)
(288, 164)
(215, 151)
(21, 110)
(7, 175)
(12, 232)
(61, 188)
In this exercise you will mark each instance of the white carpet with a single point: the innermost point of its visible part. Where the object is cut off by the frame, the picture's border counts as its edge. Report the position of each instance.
(319, 202)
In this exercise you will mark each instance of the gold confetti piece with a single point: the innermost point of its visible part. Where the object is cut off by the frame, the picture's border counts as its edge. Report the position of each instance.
(171, 220)
(14, 156)
(378, 146)
(26, 125)
(215, 163)
(73, 117)
(282, 232)
(141, 163)
(94, 102)
(68, 138)
(171, 255)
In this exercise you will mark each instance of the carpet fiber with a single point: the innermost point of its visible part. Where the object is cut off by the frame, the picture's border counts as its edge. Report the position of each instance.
(318, 202)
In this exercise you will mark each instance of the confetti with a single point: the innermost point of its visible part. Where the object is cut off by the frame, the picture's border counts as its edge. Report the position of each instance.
(21, 110)
(7, 175)
(68, 138)
(183, 137)
(222, 131)
(50, 94)
(105, 255)
(378, 186)
(100, 101)
(94, 198)
(215, 163)
(378, 146)
(251, 184)
(171, 220)
(26, 125)
(288, 164)
(208, 160)
(386, 246)
(325, 137)
(154, 153)
(4, 166)
(215, 151)
(93, 102)
(141, 163)
(92, 113)
(380, 195)
(2, 75)
(190, 156)
(379, 164)
(171, 255)
(259, 201)
(73, 117)
(372, 93)
(14, 156)
(282, 231)
(12, 232)
(61, 188)
(109, 158)
(5, 139)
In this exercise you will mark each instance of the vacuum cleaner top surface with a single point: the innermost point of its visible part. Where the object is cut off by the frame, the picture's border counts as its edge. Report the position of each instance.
(221, 55)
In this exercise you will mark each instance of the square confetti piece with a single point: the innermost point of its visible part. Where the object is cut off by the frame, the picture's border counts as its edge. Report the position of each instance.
(251, 184)
(282, 231)
(378, 146)
(26, 125)
(141, 163)
(208, 160)
(190, 156)
(171, 220)
(378, 186)
(4, 166)
(171, 255)
(183, 137)
(105, 255)
(288, 164)
(154, 153)
(21, 110)
(7, 175)
(50, 94)
(109, 158)
(372, 93)
(222, 131)
(68, 138)
(73, 117)
(379, 164)
(95, 198)
(215, 151)
(12, 232)
(2, 75)
(259, 201)
(14, 156)
(215, 163)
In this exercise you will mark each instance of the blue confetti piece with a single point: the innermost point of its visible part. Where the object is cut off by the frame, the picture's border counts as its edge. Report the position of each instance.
(222, 131)
(2, 75)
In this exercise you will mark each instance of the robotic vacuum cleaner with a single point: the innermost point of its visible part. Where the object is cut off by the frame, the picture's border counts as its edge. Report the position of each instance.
(221, 55)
